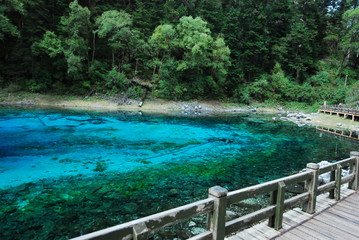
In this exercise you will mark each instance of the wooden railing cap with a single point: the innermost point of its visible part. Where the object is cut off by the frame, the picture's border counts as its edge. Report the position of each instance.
(354, 153)
(314, 166)
(218, 191)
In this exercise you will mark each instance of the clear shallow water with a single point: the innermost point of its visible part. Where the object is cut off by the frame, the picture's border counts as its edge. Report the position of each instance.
(66, 173)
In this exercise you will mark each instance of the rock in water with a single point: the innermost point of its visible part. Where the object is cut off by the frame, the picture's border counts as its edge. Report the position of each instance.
(173, 193)
(230, 215)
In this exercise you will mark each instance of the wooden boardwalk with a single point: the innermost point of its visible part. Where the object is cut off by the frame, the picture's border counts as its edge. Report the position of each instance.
(333, 220)
(346, 112)
(353, 135)
(315, 199)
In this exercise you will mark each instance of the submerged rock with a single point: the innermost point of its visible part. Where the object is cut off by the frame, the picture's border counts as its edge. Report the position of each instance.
(130, 207)
(173, 193)
(230, 215)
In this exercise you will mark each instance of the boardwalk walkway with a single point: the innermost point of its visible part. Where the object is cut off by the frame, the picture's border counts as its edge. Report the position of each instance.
(333, 220)
(338, 222)
(314, 198)
(346, 112)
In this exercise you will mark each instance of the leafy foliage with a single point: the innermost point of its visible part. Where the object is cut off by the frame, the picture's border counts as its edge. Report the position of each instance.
(277, 51)
(7, 27)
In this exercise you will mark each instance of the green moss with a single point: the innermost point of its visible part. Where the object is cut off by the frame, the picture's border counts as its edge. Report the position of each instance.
(69, 160)
(100, 166)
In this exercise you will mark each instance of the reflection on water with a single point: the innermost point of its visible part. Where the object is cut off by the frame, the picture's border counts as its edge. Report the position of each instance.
(69, 173)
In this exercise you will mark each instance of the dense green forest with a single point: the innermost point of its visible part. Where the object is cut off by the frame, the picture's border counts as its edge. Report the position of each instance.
(242, 50)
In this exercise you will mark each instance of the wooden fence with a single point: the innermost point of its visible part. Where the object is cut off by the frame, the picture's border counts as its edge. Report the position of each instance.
(340, 109)
(219, 199)
(354, 135)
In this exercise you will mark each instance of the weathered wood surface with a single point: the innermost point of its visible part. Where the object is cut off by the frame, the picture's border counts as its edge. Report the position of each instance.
(253, 191)
(329, 213)
(153, 222)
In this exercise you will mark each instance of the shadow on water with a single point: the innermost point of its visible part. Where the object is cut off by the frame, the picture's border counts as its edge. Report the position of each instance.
(67, 173)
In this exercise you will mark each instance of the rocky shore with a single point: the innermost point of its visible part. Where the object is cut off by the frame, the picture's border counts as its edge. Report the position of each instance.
(320, 120)
(111, 103)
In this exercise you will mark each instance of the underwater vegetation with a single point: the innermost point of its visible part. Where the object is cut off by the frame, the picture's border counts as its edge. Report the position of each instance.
(113, 168)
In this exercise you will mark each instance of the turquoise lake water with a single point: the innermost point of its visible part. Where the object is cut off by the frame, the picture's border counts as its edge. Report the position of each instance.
(67, 173)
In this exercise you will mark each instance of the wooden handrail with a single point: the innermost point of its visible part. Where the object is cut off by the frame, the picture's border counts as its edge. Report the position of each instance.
(340, 109)
(219, 199)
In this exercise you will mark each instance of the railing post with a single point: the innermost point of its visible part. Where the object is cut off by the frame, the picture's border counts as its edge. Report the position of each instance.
(338, 181)
(140, 231)
(332, 178)
(218, 217)
(312, 186)
(354, 184)
(277, 197)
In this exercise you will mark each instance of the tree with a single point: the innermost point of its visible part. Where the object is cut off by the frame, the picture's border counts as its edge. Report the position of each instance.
(162, 42)
(6, 26)
(116, 26)
(75, 30)
(51, 45)
(247, 37)
(300, 48)
(350, 42)
(198, 62)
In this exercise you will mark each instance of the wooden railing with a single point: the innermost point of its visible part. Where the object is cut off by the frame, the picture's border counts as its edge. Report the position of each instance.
(354, 135)
(219, 199)
(340, 109)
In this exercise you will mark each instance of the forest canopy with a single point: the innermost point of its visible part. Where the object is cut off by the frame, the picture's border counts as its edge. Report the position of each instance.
(242, 50)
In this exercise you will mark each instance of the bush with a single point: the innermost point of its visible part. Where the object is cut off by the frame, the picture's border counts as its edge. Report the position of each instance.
(352, 96)
(320, 79)
(241, 94)
(116, 81)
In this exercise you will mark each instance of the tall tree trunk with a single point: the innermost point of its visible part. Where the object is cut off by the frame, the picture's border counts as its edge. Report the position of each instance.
(113, 59)
(136, 67)
(93, 46)
(297, 75)
(345, 61)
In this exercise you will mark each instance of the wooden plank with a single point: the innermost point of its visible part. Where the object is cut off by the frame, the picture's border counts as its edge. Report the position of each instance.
(265, 230)
(347, 205)
(346, 192)
(341, 223)
(291, 221)
(322, 205)
(300, 212)
(327, 230)
(235, 237)
(293, 235)
(287, 238)
(353, 199)
(285, 227)
(339, 212)
(245, 235)
(296, 217)
(239, 223)
(300, 233)
(352, 202)
(256, 234)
